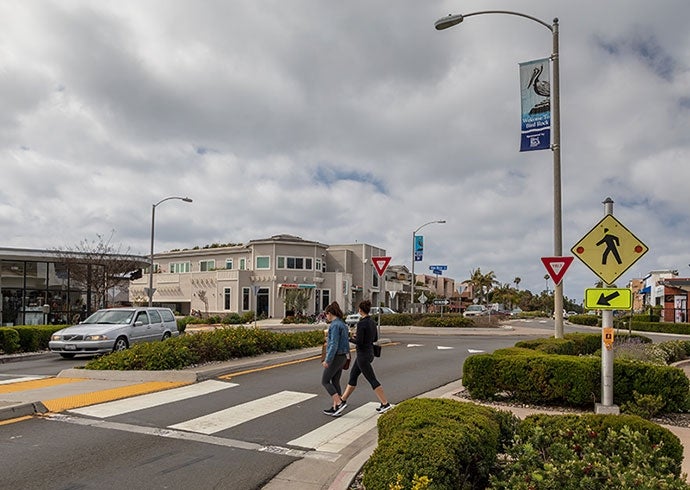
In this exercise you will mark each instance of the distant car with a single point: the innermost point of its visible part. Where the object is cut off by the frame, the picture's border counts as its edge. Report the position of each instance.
(353, 318)
(571, 313)
(114, 329)
(475, 310)
(515, 311)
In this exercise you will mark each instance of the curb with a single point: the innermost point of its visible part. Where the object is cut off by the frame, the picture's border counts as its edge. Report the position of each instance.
(22, 410)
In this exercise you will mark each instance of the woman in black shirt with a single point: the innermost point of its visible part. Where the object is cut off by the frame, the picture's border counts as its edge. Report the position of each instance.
(364, 339)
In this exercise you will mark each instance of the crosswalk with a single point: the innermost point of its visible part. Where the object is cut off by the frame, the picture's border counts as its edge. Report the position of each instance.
(323, 438)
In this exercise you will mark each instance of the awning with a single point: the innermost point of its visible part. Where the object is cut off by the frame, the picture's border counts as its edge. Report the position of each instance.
(646, 290)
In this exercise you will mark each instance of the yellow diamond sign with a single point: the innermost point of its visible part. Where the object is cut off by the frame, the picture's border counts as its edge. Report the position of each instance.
(609, 249)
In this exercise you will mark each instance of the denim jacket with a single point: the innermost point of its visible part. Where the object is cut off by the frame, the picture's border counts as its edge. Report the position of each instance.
(337, 340)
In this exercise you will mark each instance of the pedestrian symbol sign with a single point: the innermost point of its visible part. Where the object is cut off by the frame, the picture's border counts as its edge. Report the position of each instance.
(609, 249)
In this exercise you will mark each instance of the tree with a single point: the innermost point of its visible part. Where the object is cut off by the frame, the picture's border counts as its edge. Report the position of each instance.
(482, 284)
(296, 300)
(97, 267)
(517, 281)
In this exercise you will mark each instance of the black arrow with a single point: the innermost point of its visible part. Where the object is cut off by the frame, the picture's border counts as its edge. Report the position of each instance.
(605, 300)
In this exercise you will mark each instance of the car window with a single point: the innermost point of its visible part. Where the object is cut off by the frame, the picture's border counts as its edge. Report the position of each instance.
(142, 317)
(167, 315)
(114, 317)
(155, 316)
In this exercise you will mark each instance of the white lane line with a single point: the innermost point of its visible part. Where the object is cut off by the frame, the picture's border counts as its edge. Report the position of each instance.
(415, 345)
(19, 380)
(335, 435)
(230, 417)
(151, 400)
(474, 351)
(188, 436)
(443, 347)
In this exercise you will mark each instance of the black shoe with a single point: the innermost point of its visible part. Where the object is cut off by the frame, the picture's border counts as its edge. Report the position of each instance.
(339, 409)
(330, 411)
(384, 408)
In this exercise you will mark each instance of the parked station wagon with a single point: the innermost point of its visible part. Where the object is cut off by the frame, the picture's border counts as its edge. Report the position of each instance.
(114, 329)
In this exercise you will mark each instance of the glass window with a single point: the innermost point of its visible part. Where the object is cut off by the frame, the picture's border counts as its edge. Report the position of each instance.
(281, 262)
(291, 263)
(228, 263)
(155, 316)
(245, 299)
(227, 296)
(307, 263)
(142, 317)
(263, 262)
(207, 265)
(243, 264)
(299, 263)
(180, 267)
(318, 264)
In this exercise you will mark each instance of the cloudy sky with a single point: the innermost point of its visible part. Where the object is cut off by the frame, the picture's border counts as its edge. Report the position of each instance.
(343, 122)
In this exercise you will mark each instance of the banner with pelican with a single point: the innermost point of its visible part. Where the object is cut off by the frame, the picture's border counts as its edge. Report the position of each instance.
(535, 96)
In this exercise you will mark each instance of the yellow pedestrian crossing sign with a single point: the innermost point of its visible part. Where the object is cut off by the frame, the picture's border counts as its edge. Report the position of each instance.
(608, 299)
(609, 249)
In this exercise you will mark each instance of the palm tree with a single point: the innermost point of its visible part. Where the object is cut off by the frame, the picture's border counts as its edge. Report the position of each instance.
(482, 283)
(546, 278)
(516, 281)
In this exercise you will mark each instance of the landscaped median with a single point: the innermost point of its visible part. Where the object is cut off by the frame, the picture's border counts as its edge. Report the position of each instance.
(222, 344)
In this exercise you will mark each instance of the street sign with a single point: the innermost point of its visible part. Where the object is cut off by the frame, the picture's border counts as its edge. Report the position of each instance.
(439, 267)
(422, 298)
(556, 267)
(609, 249)
(608, 299)
(381, 264)
(438, 272)
(441, 302)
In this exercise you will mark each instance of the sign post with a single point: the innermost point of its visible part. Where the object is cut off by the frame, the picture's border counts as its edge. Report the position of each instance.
(609, 249)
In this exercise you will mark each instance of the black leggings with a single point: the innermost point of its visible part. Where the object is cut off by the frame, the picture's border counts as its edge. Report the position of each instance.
(362, 365)
(330, 379)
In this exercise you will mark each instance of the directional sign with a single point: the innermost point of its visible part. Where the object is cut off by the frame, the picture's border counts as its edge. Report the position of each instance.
(608, 299)
(556, 267)
(438, 272)
(438, 267)
(381, 264)
(441, 302)
(609, 249)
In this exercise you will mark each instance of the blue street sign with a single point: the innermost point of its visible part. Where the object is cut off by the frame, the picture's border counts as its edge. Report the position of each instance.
(418, 256)
(439, 267)
(438, 272)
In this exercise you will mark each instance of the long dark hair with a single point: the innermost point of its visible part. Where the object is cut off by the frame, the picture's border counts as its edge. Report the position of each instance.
(334, 309)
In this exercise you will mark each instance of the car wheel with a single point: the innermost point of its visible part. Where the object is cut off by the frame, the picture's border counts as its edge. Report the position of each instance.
(120, 344)
(166, 335)
(67, 356)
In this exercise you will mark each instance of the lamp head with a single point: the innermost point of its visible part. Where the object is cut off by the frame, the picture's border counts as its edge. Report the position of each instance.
(448, 21)
(442, 221)
(186, 199)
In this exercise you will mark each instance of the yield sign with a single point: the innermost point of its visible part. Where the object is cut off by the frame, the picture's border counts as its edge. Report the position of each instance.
(556, 267)
(381, 264)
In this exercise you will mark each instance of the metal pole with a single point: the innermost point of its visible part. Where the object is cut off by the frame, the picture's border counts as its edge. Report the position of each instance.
(607, 405)
(153, 226)
(412, 280)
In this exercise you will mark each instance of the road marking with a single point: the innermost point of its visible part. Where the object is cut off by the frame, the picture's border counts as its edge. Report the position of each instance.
(19, 380)
(443, 347)
(193, 437)
(37, 384)
(84, 399)
(230, 417)
(415, 345)
(335, 435)
(474, 351)
(151, 400)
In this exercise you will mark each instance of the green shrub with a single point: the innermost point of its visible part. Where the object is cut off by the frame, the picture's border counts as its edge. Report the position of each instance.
(9, 340)
(645, 406)
(247, 317)
(591, 451)
(454, 444)
(232, 319)
(447, 321)
(217, 345)
(591, 320)
(34, 338)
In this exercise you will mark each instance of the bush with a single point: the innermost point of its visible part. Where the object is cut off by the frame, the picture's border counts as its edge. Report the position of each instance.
(447, 321)
(33, 338)
(232, 319)
(453, 444)
(591, 320)
(9, 340)
(217, 345)
(591, 451)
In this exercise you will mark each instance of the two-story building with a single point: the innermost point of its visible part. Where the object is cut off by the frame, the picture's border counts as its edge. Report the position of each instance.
(255, 277)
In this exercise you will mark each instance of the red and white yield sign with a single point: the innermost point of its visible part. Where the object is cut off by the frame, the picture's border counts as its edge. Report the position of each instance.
(556, 267)
(381, 264)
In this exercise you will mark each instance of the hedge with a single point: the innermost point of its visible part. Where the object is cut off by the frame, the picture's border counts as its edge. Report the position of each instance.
(26, 338)
(454, 444)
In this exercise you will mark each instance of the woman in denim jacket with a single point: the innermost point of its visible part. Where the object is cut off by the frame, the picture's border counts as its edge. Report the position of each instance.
(337, 350)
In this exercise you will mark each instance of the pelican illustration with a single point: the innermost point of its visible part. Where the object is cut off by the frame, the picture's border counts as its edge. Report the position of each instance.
(541, 87)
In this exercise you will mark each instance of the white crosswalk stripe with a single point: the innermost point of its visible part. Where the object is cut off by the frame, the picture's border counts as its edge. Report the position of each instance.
(21, 379)
(239, 414)
(336, 435)
(117, 407)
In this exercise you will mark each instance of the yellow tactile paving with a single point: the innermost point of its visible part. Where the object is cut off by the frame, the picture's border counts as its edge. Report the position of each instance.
(84, 399)
(36, 384)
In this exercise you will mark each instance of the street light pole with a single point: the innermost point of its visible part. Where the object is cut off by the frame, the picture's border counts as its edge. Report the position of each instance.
(412, 281)
(452, 20)
(153, 227)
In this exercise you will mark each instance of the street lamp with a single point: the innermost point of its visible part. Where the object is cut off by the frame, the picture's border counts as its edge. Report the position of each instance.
(452, 20)
(412, 281)
(153, 224)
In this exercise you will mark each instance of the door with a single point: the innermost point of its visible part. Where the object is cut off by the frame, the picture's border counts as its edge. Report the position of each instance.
(141, 328)
(262, 302)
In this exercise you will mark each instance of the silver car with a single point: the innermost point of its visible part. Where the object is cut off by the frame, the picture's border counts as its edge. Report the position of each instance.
(114, 329)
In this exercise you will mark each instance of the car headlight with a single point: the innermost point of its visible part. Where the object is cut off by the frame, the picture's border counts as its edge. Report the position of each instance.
(56, 337)
(96, 337)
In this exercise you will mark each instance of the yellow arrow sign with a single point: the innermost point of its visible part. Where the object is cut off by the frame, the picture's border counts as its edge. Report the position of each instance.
(609, 249)
(608, 299)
